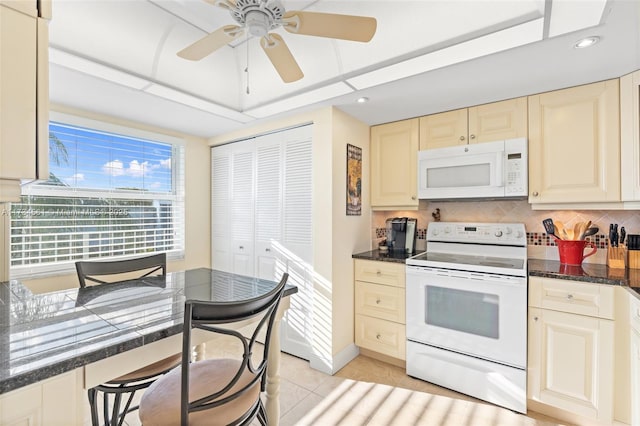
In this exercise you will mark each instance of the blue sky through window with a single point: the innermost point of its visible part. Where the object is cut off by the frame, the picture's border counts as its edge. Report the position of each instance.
(104, 161)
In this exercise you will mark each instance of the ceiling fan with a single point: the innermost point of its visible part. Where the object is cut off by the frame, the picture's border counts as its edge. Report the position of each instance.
(259, 17)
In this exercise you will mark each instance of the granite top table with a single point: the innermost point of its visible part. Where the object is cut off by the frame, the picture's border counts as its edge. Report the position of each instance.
(43, 335)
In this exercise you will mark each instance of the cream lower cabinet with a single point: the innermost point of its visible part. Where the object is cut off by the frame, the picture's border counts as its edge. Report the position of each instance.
(634, 344)
(574, 145)
(380, 307)
(57, 401)
(571, 349)
(482, 123)
(394, 165)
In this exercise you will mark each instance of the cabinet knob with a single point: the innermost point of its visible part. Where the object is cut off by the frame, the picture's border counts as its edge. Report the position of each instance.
(569, 296)
(267, 249)
(378, 302)
(378, 273)
(241, 247)
(378, 336)
(535, 318)
(462, 138)
(472, 136)
(413, 198)
(535, 193)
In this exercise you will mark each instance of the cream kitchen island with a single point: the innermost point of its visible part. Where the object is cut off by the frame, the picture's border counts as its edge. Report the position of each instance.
(57, 345)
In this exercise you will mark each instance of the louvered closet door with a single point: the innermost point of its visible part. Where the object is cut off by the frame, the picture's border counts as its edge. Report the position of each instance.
(296, 255)
(268, 211)
(220, 196)
(242, 208)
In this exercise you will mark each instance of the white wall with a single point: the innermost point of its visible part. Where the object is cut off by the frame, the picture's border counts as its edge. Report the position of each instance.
(197, 203)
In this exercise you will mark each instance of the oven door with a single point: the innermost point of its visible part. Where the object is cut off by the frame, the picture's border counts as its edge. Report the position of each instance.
(482, 315)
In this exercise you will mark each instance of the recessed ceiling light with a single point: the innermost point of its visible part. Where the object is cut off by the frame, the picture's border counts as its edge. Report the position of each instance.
(586, 42)
(362, 100)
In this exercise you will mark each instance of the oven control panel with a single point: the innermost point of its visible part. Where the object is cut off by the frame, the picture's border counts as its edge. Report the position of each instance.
(480, 233)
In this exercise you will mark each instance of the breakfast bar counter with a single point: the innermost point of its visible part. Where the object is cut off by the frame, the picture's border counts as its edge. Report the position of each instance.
(47, 335)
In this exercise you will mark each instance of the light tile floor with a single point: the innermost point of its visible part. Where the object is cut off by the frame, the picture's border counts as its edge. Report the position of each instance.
(370, 392)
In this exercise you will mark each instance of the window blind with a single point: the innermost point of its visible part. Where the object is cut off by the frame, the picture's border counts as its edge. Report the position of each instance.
(108, 195)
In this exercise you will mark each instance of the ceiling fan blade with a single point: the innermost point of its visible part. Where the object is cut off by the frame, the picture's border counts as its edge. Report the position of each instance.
(281, 58)
(345, 27)
(210, 43)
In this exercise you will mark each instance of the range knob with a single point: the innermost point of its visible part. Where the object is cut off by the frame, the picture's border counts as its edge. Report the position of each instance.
(508, 231)
(447, 230)
(498, 233)
(435, 231)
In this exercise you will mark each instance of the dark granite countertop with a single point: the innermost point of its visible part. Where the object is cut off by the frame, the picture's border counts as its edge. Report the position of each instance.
(396, 257)
(587, 272)
(48, 334)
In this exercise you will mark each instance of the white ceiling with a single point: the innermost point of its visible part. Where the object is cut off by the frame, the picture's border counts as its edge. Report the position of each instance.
(118, 57)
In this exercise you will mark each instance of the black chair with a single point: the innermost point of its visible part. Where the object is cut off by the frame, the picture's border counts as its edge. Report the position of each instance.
(221, 391)
(127, 385)
(88, 270)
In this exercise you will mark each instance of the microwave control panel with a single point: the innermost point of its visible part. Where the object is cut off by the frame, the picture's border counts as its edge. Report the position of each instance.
(516, 163)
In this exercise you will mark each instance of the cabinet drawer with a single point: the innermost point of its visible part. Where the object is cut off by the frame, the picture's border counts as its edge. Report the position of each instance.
(385, 337)
(387, 273)
(572, 296)
(380, 301)
(634, 313)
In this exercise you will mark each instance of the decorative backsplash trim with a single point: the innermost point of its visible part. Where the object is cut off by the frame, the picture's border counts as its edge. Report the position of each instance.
(533, 238)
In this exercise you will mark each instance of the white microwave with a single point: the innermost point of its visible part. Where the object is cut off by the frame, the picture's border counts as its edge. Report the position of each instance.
(484, 170)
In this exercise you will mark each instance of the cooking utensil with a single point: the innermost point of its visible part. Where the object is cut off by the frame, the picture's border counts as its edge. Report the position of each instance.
(623, 233)
(590, 231)
(583, 229)
(561, 232)
(550, 227)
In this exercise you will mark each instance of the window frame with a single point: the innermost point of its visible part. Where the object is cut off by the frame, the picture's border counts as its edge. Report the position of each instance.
(178, 185)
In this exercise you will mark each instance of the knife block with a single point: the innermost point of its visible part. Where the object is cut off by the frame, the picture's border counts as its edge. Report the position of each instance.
(634, 259)
(617, 257)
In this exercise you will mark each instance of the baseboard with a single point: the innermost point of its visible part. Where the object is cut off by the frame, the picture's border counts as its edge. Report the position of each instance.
(336, 362)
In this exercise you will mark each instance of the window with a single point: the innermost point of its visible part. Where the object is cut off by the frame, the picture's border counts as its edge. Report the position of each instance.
(116, 193)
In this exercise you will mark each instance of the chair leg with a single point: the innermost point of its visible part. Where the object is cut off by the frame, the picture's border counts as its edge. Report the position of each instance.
(92, 394)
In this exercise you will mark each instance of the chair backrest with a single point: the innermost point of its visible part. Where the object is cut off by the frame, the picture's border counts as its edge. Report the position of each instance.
(212, 316)
(88, 270)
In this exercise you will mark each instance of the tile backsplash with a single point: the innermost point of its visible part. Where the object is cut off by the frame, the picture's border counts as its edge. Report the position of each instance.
(540, 245)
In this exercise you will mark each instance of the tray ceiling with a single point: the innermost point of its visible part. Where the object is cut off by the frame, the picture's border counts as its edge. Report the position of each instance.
(119, 58)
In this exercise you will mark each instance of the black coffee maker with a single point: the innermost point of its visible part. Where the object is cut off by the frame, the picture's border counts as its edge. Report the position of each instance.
(401, 234)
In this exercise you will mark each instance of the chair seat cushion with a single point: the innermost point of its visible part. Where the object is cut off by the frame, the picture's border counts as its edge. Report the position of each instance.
(160, 404)
(148, 371)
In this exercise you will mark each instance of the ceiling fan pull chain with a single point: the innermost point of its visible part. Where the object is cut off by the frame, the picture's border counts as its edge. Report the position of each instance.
(246, 70)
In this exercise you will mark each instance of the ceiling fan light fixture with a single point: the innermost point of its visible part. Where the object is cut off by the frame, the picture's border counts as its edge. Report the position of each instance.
(362, 100)
(258, 23)
(586, 42)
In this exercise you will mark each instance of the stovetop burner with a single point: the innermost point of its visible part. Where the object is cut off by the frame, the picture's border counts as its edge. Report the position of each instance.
(475, 247)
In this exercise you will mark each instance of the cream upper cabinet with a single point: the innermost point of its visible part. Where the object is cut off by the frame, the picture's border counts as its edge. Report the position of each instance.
(24, 98)
(482, 123)
(570, 359)
(394, 163)
(574, 145)
(630, 136)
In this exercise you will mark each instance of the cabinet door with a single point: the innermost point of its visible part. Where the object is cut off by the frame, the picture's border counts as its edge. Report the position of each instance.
(574, 141)
(635, 377)
(444, 129)
(570, 363)
(630, 136)
(394, 164)
(242, 208)
(220, 212)
(498, 121)
(18, 80)
(268, 213)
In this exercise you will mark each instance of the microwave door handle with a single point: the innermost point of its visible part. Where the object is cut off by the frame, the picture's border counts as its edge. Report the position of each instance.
(499, 176)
